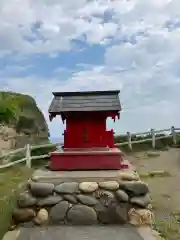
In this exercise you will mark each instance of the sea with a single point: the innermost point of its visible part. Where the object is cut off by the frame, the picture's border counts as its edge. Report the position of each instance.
(56, 140)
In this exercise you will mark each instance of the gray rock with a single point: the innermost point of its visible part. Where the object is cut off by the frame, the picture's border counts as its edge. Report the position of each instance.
(67, 187)
(109, 185)
(102, 213)
(99, 207)
(98, 193)
(134, 188)
(70, 198)
(58, 212)
(82, 215)
(142, 201)
(119, 213)
(106, 198)
(122, 196)
(113, 214)
(23, 214)
(26, 200)
(49, 201)
(41, 189)
(87, 200)
(104, 217)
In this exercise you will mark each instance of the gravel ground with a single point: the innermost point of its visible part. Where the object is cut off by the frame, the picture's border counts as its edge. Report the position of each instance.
(165, 190)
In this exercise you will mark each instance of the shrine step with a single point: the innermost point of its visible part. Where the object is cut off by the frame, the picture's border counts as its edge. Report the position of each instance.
(56, 177)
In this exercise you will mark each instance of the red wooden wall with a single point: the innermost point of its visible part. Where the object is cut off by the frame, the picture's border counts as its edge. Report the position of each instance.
(96, 134)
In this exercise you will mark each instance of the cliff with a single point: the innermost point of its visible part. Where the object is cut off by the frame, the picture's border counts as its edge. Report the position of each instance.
(21, 121)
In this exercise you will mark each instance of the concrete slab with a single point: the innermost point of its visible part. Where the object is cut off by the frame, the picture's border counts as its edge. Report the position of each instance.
(78, 176)
(147, 233)
(12, 235)
(80, 233)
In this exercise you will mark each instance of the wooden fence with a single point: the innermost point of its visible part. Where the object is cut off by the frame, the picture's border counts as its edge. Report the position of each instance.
(152, 137)
(28, 158)
(152, 133)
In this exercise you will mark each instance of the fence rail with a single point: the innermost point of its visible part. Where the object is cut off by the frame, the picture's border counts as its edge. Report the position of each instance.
(28, 158)
(152, 138)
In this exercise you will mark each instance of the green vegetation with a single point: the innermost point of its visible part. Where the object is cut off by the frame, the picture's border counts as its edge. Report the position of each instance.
(21, 110)
(13, 105)
(10, 180)
(8, 109)
(152, 174)
(151, 154)
(168, 228)
(42, 151)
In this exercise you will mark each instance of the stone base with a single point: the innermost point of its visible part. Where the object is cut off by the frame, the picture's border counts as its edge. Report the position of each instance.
(82, 159)
(82, 198)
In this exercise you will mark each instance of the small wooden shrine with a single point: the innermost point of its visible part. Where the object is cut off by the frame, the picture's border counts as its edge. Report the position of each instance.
(87, 143)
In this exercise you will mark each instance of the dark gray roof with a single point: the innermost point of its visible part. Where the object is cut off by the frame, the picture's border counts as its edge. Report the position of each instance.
(85, 101)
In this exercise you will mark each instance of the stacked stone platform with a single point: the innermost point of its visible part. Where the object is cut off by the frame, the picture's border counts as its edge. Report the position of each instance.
(83, 198)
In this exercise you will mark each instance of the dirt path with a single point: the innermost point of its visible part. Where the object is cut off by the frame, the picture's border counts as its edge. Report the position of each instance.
(165, 191)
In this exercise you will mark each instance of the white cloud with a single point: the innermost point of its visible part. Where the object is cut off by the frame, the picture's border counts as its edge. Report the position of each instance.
(141, 57)
(49, 26)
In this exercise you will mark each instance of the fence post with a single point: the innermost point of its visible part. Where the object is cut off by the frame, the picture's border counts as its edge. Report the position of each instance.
(28, 156)
(153, 138)
(173, 132)
(129, 140)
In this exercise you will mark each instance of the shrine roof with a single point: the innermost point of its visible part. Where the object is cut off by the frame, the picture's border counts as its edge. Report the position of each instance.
(85, 101)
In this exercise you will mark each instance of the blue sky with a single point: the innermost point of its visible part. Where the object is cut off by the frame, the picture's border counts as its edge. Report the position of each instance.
(130, 45)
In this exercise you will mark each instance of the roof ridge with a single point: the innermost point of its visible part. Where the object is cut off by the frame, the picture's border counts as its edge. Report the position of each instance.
(85, 93)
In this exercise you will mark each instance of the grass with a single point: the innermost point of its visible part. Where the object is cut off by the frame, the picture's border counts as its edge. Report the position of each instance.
(146, 154)
(154, 174)
(169, 228)
(10, 180)
(152, 154)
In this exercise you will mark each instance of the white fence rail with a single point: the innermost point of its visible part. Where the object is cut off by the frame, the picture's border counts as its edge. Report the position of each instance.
(28, 158)
(152, 133)
(152, 137)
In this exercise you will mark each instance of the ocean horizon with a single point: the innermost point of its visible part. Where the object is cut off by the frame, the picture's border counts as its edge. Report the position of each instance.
(56, 139)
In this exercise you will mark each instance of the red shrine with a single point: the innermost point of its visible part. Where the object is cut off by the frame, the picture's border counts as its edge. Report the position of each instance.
(87, 143)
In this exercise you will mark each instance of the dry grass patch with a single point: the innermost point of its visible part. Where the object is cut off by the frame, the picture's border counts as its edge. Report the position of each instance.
(11, 178)
(152, 154)
(168, 228)
(146, 154)
(160, 173)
